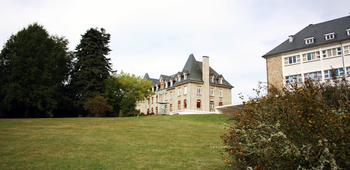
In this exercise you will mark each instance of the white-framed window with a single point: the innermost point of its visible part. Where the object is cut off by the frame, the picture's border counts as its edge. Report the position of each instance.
(331, 52)
(171, 82)
(329, 36)
(185, 76)
(179, 77)
(198, 89)
(166, 84)
(347, 49)
(211, 91)
(212, 79)
(220, 93)
(166, 96)
(220, 80)
(294, 78)
(152, 89)
(348, 70)
(156, 87)
(171, 95)
(309, 40)
(313, 76)
(211, 104)
(337, 72)
(348, 32)
(185, 89)
(179, 91)
(179, 104)
(292, 60)
(311, 56)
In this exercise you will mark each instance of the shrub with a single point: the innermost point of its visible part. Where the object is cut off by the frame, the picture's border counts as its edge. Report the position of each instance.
(301, 127)
(97, 106)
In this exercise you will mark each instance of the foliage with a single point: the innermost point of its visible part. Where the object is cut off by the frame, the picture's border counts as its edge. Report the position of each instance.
(97, 106)
(34, 67)
(302, 127)
(123, 90)
(91, 67)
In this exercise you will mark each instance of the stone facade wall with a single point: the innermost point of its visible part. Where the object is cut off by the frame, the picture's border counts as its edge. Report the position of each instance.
(274, 71)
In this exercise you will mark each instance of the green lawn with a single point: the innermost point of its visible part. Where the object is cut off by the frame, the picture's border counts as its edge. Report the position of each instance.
(148, 142)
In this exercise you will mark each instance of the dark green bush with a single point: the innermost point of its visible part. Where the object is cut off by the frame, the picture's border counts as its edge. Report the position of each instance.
(301, 127)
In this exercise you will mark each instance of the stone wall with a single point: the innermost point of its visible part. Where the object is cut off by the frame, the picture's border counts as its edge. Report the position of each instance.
(274, 71)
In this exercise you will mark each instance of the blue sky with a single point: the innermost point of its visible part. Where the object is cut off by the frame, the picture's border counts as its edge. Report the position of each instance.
(157, 36)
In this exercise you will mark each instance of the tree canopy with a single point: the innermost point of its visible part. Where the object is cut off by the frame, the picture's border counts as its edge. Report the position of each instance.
(91, 67)
(34, 67)
(124, 90)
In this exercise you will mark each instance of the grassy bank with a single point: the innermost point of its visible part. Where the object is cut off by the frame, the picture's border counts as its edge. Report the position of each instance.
(149, 142)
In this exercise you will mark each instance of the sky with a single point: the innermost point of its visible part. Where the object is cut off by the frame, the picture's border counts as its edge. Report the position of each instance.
(157, 36)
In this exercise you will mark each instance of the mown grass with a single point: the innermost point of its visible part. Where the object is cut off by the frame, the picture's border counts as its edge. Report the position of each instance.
(149, 142)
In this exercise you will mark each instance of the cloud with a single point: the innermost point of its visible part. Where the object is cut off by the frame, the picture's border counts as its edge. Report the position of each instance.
(157, 36)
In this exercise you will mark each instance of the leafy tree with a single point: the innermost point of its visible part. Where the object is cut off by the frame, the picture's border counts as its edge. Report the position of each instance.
(34, 67)
(124, 90)
(305, 126)
(91, 67)
(97, 106)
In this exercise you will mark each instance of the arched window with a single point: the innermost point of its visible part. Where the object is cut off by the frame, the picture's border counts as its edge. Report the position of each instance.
(185, 103)
(171, 107)
(221, 104)
(156, 110)
(179, 104)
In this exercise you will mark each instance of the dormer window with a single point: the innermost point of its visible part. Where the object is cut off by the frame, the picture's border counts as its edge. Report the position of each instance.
(212, 79)
(220, 80)
(156, 87)
(171, 82)
(166, 84)
(179, 77)
(348, 32)
(152, 89)
(309, 40)
(329, 36)
(185, 76)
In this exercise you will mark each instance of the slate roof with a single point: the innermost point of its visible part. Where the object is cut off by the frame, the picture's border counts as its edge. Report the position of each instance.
(339, 26)
(193, 69)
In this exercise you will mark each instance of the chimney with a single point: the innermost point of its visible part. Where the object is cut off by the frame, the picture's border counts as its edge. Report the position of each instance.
(291, 38)
(206, 85)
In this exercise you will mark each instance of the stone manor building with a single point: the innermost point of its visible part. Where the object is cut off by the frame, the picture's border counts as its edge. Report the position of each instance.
(196, 89)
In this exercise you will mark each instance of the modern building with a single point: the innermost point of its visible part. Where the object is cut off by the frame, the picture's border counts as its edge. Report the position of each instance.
(312, 53)
(196, 89)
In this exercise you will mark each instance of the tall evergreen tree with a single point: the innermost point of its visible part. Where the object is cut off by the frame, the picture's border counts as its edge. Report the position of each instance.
(91, 67)
(33, 67)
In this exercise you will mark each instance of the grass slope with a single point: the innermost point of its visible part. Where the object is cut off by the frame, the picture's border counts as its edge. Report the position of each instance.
(149, 142)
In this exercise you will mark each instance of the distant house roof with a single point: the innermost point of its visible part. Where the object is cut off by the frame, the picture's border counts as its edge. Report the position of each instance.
(193, 70)
(318, 31)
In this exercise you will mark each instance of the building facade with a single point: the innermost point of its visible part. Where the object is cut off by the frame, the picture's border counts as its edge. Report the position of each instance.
(197, 88)
(312, 53)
